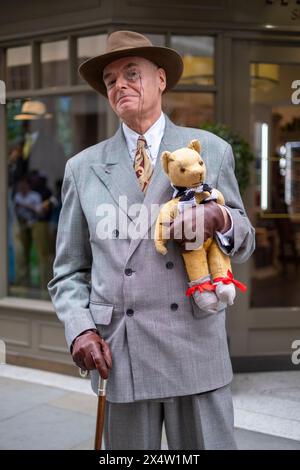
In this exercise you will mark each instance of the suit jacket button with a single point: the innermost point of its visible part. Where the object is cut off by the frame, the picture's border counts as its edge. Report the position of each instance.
(174, 306)
(115, 233)
(128, 271)
(169, 265)
(129, 312)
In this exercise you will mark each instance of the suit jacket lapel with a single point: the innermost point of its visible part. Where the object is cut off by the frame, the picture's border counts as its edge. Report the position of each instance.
(117, 173)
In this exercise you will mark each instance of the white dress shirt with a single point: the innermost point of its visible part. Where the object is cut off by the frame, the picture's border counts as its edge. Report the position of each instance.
(153, 138)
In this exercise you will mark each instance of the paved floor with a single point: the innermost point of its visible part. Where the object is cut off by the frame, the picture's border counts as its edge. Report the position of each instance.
(268, 402)
(42, 410)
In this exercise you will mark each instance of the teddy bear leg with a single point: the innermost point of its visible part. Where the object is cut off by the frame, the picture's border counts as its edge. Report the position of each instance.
(219, 265)
(197, 270)
(225, 292)
(206, 300)
(196, 263)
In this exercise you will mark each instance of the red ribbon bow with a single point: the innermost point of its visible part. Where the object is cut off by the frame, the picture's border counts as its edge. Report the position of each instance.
(230, 279)
(204, 286)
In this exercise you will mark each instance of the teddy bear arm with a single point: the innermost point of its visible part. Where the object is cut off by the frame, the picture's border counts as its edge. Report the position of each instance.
(220, 198)
(161, 236)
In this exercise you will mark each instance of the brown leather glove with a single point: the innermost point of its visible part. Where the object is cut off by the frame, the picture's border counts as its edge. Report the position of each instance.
(90, 351)
(215, 219)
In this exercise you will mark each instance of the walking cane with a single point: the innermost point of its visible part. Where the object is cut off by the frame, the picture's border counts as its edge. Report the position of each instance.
(100, 412)
(100, 408)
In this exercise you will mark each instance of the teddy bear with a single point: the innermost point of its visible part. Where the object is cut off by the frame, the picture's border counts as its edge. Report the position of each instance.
(211, 282)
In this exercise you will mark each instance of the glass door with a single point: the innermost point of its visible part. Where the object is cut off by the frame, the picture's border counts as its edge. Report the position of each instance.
(266, 95)
(275, 136)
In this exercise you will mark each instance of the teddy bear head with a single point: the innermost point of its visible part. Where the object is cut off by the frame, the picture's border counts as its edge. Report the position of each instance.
(185, 166)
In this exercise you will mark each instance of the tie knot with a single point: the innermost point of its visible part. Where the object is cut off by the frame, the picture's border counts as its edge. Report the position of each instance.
(141, 142)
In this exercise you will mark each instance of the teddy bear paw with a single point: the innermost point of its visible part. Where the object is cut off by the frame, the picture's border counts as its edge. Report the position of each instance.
(160, 248)
(225, 293)
(206, 301)
(203, 293)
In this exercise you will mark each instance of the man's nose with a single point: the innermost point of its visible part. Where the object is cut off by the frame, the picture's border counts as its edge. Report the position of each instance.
(121, 82)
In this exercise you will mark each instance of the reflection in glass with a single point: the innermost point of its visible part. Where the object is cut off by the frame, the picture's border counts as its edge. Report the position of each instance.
(261, 138)
(42, 134)
(198, 57)
(18, 62)
(292, 177)
(54, 63)
(189, 109)
(264, 76)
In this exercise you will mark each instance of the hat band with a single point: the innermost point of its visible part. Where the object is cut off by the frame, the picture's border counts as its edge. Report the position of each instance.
(32, 113)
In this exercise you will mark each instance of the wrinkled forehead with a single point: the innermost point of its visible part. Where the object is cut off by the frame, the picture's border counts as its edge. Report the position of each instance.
(126, 62)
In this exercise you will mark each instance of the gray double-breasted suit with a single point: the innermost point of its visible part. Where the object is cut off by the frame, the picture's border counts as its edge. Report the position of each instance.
(162, 344)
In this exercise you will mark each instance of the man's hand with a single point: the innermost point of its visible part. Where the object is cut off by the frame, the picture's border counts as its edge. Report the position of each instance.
(203, 220)
(90, 351)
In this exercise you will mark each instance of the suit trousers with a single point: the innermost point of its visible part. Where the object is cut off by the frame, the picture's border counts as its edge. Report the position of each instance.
(201, 421)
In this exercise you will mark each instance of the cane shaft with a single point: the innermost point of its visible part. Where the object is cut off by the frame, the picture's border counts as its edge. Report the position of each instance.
(100, 422)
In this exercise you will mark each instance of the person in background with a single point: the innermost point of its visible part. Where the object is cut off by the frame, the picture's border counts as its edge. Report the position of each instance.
(27, 205)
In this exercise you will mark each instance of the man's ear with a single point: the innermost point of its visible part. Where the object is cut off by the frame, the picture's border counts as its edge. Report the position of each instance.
(165, 159)
(162, 79)
(195, 145)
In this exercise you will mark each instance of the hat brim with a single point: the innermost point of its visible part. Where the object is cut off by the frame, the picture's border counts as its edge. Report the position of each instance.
(32, 117)
(92, 69)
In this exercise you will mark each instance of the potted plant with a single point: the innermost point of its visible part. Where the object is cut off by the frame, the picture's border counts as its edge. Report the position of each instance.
(243, 154)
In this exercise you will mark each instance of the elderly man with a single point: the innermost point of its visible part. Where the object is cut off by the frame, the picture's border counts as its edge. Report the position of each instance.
(123, 305)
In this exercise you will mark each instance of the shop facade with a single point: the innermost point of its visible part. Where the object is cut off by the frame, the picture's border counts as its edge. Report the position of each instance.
(241, 68)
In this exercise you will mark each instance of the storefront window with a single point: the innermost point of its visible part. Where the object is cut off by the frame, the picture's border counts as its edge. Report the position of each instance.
(189, 109)
(54, 63)
(156, 39)
(42, 134)
(275, 126)
(89, 46)
(198, 57)
(18, 62)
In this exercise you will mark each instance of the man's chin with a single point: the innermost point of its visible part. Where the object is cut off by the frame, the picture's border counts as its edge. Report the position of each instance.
(129, 111)
(128, 101)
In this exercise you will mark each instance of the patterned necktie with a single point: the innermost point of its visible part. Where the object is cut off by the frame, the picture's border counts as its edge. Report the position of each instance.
(142, 164)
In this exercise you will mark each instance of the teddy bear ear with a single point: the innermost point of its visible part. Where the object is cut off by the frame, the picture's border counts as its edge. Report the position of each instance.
(165, 158)
(195, 145)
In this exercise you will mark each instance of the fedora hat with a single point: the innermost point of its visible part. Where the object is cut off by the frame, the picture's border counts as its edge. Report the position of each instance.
(129, 43)
(32, 110)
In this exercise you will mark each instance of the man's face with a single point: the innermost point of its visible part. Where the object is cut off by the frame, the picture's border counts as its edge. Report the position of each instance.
(134, 85)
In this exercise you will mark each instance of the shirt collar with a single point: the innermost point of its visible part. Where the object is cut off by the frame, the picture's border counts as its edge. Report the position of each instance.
(153, 135)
